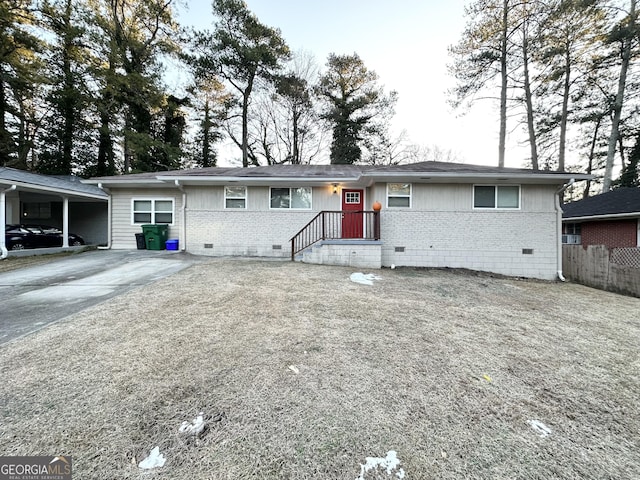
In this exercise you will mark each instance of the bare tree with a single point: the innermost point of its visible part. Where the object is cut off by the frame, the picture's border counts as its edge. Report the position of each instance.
(481, 56)
(626, 33)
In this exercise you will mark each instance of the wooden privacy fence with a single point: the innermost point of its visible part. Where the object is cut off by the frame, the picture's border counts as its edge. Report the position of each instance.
(616, 269)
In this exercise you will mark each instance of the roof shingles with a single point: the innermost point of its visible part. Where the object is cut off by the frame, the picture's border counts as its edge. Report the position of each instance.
(615, 202)
(69, 183)
(332, 171)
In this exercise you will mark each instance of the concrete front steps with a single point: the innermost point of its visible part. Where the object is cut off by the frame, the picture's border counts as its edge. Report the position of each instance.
(347, 253)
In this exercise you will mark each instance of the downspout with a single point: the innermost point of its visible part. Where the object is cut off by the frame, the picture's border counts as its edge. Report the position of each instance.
(559, 227)
(183, 217)
(106, 190)
(4, 253)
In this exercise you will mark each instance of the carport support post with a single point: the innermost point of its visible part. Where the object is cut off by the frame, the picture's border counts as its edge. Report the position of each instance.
(3, 219)
(65, 222)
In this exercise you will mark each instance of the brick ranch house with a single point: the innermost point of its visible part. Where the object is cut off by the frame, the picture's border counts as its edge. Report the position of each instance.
(611, 219)
(433, 214)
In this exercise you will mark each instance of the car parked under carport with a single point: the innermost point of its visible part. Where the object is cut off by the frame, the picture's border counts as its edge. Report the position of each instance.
(20, 237)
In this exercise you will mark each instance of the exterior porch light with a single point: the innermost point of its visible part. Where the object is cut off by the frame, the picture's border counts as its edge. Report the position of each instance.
(334, 188)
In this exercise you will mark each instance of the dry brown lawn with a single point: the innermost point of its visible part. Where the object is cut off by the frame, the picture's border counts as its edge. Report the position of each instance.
(302, 374)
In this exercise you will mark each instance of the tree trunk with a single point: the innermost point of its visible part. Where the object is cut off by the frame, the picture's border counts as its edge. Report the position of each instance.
(565, 112)
(5, 137)
(69, 95)
(127, 146)
(24, 143)
(245, 130)
(617, 106)
(245, 121)
(105, 147)
(296, 133)
(592, 152)
(503, 88)
(529, 98)
(206, 134)
(623, 162)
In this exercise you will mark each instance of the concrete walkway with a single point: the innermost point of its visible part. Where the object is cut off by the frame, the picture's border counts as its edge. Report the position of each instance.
(33, 297)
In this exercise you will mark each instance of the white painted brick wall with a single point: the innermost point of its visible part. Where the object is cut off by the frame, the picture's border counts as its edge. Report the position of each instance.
(478, 240)
(243, 233)
(431, 235)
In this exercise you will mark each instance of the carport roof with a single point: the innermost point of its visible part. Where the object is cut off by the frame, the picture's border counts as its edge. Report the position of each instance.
(68, 185)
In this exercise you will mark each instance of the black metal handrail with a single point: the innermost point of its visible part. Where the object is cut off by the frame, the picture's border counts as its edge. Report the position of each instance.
(337, 225)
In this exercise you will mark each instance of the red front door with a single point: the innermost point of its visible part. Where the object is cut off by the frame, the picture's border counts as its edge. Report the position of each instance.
(352, 208)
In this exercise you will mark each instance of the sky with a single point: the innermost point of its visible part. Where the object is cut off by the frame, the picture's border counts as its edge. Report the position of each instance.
(405, 42)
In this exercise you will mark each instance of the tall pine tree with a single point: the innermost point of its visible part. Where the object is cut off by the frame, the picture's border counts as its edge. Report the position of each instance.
(353, 100)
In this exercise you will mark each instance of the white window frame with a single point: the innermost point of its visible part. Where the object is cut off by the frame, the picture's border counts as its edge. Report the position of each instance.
(410, 196)
(245, 198)
(289, 208)
(495, 197)
(153, 212)
(354, 193)
(570, 228)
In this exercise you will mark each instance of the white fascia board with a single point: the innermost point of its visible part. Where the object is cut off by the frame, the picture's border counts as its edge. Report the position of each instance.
(149, 181)
(219, 180)
(609, 216)
(59, 191)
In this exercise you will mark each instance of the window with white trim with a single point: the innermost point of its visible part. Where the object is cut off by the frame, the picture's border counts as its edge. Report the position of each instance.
(573, 228)
(152, 210)
(398, 195)
(235, 197)
(496, 196)
(290, 198)
(352, 198)
(572, 233)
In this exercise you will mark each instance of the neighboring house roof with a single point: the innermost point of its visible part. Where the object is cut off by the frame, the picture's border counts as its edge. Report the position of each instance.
(361, 175)
(618, 203)
(51, 184)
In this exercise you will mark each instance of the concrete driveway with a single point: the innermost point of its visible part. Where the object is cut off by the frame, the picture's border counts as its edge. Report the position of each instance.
(33, 297)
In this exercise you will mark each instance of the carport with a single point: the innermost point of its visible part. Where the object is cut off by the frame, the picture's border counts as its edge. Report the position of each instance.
(60, 201)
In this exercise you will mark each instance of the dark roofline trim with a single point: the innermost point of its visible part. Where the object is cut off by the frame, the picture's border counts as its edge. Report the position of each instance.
(604, 216)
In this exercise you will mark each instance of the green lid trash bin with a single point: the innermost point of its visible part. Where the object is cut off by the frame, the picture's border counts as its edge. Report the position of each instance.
(155, 236)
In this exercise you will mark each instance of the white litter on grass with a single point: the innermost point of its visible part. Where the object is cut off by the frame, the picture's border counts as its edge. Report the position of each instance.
(539, 427)
(294, 369)
(391, 462)
(364, 279)
(195, 428)
(154, 460)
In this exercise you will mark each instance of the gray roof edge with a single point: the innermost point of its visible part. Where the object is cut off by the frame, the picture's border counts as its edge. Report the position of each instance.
(334, 173)
(258, 179)
(506, 174)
